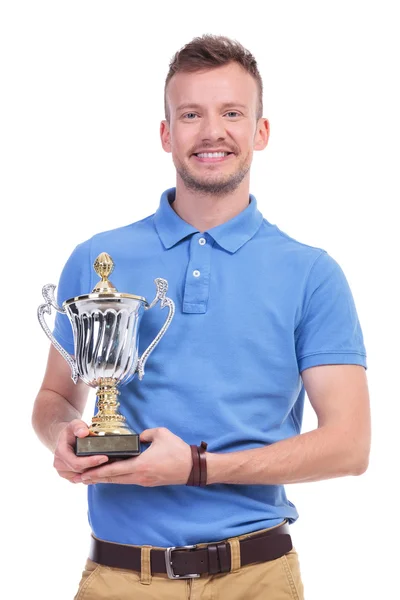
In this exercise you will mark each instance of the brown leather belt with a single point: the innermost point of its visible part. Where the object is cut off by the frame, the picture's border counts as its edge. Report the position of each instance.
(193, 561)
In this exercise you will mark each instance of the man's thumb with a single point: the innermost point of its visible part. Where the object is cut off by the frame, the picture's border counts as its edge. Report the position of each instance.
(80, 429)
(147, 435)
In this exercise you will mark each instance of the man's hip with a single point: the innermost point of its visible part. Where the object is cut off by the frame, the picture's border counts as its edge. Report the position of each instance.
(264, 560)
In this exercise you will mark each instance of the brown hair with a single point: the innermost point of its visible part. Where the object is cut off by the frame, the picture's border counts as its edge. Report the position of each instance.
(210, 51)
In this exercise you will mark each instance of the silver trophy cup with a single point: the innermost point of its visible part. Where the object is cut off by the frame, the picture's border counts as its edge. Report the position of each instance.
(105, 326)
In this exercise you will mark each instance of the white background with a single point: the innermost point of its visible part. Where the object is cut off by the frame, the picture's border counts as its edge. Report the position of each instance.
(81, 102)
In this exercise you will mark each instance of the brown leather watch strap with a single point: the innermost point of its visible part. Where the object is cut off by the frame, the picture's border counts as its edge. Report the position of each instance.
(198, 474)
(194, 477)
(203, 464)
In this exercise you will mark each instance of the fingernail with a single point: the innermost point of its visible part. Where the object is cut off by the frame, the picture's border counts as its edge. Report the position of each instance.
(86, 478)
(81, 430)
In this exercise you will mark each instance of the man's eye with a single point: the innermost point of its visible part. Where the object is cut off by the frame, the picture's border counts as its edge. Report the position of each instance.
(233, 112)
(190, 115)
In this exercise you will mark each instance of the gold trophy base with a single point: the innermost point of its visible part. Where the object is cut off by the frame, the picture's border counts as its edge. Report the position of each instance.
(113, 446)
(108, 434)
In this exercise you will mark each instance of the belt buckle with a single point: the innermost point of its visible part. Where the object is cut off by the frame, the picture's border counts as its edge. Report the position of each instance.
(168, 563)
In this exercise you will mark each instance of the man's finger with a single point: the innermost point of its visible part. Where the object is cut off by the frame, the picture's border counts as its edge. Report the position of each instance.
(149, 435)
(79, 428)
(69, 475)
(119, 467)
(123, 479)
(82, 463)
(79, 464)
(81, 432)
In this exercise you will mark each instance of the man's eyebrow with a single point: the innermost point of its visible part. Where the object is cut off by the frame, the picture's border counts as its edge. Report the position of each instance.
(224, 105)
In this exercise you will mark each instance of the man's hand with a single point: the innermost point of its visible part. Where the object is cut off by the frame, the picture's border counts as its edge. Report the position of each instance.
(66, 462)
(168, 461)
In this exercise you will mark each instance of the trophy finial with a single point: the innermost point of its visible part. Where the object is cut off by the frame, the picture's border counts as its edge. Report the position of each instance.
(104, 266)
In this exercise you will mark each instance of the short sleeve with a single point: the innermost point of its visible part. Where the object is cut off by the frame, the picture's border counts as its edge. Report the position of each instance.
(75, 280)
(329, 331)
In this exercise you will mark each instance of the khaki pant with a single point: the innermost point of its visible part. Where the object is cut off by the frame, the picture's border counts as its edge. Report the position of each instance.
(278, 579)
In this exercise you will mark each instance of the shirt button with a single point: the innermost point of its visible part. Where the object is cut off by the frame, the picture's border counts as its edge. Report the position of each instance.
(202, 241)
(196, 273)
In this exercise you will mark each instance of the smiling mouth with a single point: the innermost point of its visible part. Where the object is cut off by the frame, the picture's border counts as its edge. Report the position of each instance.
(212, 156)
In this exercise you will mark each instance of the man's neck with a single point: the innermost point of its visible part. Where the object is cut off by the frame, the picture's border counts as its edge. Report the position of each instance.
(204, 211)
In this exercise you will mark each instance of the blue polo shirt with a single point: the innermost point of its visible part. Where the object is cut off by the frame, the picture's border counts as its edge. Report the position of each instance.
(254, 308)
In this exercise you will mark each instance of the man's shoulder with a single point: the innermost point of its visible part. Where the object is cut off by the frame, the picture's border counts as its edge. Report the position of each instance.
(276, 233)
(118, 234)
(136, 233)
(287, 246)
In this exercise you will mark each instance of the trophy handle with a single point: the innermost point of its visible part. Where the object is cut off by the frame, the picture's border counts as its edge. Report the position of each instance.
(162, 287)
(48, 295)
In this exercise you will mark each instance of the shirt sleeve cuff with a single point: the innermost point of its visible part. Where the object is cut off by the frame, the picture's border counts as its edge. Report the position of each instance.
(333, 358)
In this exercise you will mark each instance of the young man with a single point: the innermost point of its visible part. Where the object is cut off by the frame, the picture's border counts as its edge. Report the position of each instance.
(260, 319)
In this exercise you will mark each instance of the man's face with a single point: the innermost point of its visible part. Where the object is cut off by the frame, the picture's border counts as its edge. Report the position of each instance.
(213, 110)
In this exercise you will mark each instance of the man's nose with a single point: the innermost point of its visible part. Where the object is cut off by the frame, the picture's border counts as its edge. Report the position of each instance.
(212, 128)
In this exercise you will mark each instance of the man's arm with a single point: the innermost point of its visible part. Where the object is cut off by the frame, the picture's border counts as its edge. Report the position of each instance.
(57, 416)
(339, 446)
(59, 400)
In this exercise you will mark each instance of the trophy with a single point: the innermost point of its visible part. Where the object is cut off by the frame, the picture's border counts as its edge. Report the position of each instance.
(105, 326)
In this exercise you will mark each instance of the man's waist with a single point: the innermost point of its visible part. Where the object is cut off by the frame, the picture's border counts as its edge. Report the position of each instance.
(168, 530)
(170, 515)
(195, 560)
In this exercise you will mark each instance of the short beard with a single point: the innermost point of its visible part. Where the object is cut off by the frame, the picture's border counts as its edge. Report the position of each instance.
(216, 187)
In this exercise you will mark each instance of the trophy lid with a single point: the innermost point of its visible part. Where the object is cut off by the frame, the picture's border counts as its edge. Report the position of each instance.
(104, 289)
(104, 266)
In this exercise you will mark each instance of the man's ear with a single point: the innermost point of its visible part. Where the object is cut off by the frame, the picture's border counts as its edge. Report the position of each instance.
(165, 136)
(262, 134)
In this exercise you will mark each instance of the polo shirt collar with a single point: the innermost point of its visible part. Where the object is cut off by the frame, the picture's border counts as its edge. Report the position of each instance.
(170, 227)
(231, 235)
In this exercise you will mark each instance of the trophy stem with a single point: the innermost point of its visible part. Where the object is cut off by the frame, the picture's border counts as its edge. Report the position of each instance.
(107, 420)
(108, 433)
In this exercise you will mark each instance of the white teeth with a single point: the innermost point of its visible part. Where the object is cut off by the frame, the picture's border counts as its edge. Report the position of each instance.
(212, 154)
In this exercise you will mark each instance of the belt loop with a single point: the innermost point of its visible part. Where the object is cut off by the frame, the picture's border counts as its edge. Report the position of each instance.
(145, 571)
(235, 554)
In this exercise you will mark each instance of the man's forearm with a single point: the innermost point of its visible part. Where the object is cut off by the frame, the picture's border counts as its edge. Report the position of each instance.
(320, 454)
(51, 413)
